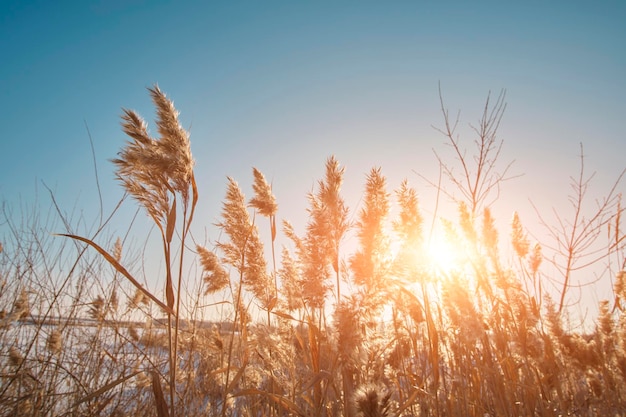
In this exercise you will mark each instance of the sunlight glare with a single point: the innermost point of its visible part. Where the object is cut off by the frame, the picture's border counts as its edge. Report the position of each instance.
(443, 256)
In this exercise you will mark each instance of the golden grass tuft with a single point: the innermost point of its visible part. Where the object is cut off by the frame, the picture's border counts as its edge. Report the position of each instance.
(15, 356)
(264, 200)
(21, 306)
(215, 276)
(55, 342)
(518, 237)
(373, 401)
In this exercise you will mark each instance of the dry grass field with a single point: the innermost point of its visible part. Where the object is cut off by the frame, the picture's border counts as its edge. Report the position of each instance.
(309, 328)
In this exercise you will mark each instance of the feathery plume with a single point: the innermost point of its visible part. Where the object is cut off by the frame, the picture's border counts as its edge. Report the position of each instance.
(256, 278)
(334, 208)
(15, 356)
(138, 298)
(619, 288)
(518, 237)
(264, 201)
(244, 251)
(408, 229)
(132, 333)
(535, 259)
(490, 234)
(605, 321)
(174, 143)
(140, 168)
(96, 308)
(316, 256)
(114, 300)
(297, 241)
(373, 401)
(21, 305)
(236, 224)
(215, 276)
(54, 342)
(328, 224)
(467, 223)
(409, 223)
(369, 262)
(117, 250)
(290, 277)
(152, 169)
(347, 319)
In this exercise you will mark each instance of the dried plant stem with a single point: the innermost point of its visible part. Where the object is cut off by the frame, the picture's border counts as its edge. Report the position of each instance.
(238, 300)
(231, 343)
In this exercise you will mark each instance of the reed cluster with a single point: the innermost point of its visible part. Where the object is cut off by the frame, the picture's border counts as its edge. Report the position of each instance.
(322, 331)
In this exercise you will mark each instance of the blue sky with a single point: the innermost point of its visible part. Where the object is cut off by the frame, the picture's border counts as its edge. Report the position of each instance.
(283, 85)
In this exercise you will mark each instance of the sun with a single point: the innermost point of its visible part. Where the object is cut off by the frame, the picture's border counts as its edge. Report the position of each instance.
(443, 256)
(438, 256)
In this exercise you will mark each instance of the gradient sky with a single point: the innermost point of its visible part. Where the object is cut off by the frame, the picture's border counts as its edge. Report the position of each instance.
(283, 85)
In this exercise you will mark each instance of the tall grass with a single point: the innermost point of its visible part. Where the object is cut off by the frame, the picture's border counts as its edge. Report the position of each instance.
(377, 330)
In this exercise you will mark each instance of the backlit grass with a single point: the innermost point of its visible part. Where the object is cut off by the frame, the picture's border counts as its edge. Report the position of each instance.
(404, 324)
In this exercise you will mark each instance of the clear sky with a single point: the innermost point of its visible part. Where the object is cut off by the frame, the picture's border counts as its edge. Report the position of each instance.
(283, 85)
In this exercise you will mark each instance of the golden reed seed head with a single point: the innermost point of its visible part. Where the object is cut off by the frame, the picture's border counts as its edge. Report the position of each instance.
(21, 306)
(235, 223)
(373, 401)
(142, 380)
(96, 308)
(535, 259)
(215, 276)
(518, 237)
(15, 356)
(174, 141)
(620, 284)
(490, 234)
(349, 337)
(217, 340)
(132, 333)
(151, 170)
(139, 298)
(25, 407)
(256, 279)
(114, 300)
(264, 201)
(289, 274)
(54, 342)
(466, 222)
(593, 380)
(117, 250)
(605, 320)
(409, 223)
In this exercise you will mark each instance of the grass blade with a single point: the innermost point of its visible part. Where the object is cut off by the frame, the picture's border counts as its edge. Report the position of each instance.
(409, 402)
(279, 399)
(120, 269)
(158, 396)
(105, 388)
(171, 223)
